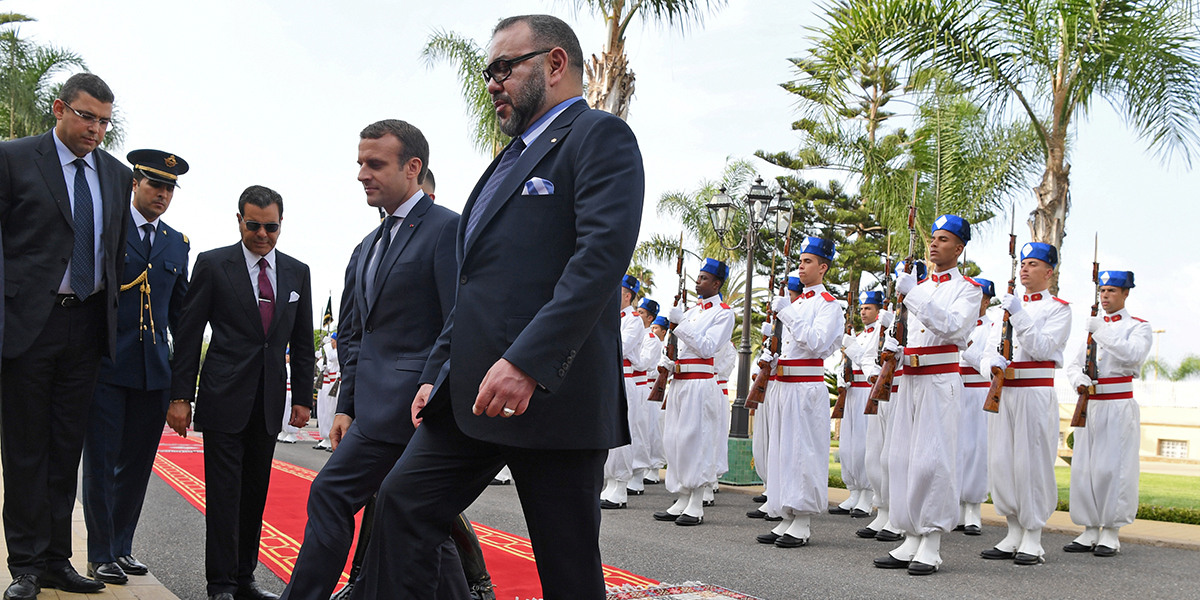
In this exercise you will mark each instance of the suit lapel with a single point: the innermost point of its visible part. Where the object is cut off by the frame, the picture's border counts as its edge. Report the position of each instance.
(283, 286)
(360, 273)
(161, 241)
(405, 233)
(109, 195)
(52, 172)
(243, 290)
(133, 245)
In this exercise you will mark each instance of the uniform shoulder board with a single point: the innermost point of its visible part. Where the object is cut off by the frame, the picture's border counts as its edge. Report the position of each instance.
(827, 296)
(651, 334)
(973, 282)
(1139, 320)
(723, 305)
(1065, 303)
(185, 240)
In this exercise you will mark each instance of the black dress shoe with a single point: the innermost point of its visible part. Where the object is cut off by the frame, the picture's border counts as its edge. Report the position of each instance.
(634, 492)
(789, 541)
(687, 520)
(973, 530)
(866, 533)
(771, 519)
(68, 580)
(767, 538)
(759, 498)
(132, 566)
(708, 503)
(837, 510)
(498, 482)
(1026, 560)
(650, 481)
(344, 593)
(888, 536)
(221, 596)
(959, 528)
(107, 572)
(919, 568)
(663, 515)
(997, 554)
(1104, 551)
(756, 514)
(1077, 547)
(251, 591)
(859, 513)
(611, 505)
(887, 561)
(23, 587)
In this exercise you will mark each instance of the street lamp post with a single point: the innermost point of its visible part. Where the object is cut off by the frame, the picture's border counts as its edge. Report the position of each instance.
(1157, 340)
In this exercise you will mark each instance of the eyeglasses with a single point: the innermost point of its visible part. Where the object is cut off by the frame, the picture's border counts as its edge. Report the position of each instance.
(501, 69)
(254, 225)
(89, 118)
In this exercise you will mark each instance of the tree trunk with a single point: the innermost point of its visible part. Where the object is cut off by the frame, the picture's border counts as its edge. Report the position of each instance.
(610, 82)
(1047, 221)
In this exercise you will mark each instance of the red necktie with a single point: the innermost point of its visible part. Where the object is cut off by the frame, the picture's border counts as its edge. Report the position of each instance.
(266, 295)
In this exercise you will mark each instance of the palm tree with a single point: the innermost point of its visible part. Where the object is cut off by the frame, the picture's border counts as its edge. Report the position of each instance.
(26, 71)
(470, 59)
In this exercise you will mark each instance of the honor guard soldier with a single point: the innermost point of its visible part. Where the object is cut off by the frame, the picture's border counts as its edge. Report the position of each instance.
(658, 331)
(130, 403)
(647, 458)
(694, 402)
(861, 351)
(1104, 469)
(923, 434)
(798, 400)
(618, 468)
(972, 420)
(327, 394)
(724, 363)
(1023, 436)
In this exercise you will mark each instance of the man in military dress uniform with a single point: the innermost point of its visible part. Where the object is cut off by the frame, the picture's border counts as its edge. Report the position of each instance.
(129, 405)
(861, 351)
(972, 420)
(618, 467)
(647, 458)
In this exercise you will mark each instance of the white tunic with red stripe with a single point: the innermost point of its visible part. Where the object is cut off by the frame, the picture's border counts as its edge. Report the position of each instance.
(648, 454)
(619, 464)
(852, 443)
(694, 401)
(1023, 436)
(798, 453)
(923, 433)
(724, 362)
(1105, 468)
(287, 403)
(972, 420)
(326, 404)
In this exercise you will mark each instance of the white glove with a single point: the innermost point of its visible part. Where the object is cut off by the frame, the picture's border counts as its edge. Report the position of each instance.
(1011, 303)
(885, 318)
(891, 345)
(905, 282)
(667, 363)
(767, 329)
(848, 340)
(1094, 324)
(675, 315)
(780, 303)
(767, 356)
(998, 362)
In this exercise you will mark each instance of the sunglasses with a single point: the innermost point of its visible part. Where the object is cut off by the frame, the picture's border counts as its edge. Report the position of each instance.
(254, 225)
(500, 70)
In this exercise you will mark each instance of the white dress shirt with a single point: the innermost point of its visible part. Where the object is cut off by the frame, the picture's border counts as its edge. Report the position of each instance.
(67, 158)
(139, 221)
(400, 213)
(252, 266)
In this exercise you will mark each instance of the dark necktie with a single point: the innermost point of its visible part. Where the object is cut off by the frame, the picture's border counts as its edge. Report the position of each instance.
(83, 257)
(385, 240)
(489, 189)
(147, 229)
(266, 295)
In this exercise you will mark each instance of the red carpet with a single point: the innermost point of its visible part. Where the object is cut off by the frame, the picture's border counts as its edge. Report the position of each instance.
(180, 463)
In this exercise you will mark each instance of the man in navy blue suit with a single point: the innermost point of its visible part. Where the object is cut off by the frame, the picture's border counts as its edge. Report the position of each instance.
(527, 370)
(129, 405)
(399, 291)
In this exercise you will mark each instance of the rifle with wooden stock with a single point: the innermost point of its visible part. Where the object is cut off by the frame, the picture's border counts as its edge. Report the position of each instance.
(992, 403)
(881, 390)
(758, 390)
(872, 407)
(659, 391)
(1079, 419)
(839, 408)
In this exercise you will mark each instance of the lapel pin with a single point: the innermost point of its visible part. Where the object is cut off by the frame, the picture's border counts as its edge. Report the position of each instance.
(552, 140)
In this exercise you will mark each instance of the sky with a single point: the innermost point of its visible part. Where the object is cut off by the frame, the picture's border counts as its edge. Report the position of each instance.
(275, 92)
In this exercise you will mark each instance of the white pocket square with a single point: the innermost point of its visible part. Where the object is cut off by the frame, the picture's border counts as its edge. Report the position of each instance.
(538, 187)
(294, 297)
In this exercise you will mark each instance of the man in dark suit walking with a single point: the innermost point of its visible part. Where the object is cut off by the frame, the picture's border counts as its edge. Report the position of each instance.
(533, 340)
(130, 402)
(64, 205)
(258, 302)
(399, 292)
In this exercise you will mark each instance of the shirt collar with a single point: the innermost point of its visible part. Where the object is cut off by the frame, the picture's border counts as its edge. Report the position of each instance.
(951, 273)
(709, 302)
(1123, 313)
(66, 157)
(537, 127)
(139, 220)
(816, 290)
(407, 206)
(252, 258)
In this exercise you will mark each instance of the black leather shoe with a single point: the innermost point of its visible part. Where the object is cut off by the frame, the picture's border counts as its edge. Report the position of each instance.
(866, 533)
(767, 538)
(221, 596)
(887, 561)
(759, 498)
(132, 566)
(687, 520)
(611, 505)
(650, 481)
(344, 593)
(23, 587)
(634, 492)
(859, 513)
(756, 514)
(1104, 551)
(663, 515)
(918, 568)
(837, 510)
(708, 503)
(997, 554)
(480, 590)
(888, 536)
(69, 580)
(959, 528)
(1077, 547)
(973, 530)
(107, 572)
(498, 482)
(771, 519)
(1026, 560)
(788, 541)
(251, 591)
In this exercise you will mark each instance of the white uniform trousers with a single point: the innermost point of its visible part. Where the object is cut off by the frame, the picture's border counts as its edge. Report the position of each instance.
(1022, 448)
(693, 415)
(762, 434)
(798, 455)
(619, 464)
(921, 450)
(852, 447)
(642, 429)
(721, 435)
(1104, 466)
(326, 407)
(972, 446)
(876, 462)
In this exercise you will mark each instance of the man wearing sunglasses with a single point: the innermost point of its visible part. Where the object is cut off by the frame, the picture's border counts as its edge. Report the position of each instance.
(64, 205)
(532, 377)
(258, 302)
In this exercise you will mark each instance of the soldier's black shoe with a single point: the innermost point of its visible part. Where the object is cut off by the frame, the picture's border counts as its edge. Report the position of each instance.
(687, 520)
(789, 541)
(1026, 560)
(132, 566)
(918, 568)
(959, 528)
(887, 561)
(771, 519)
(650, 481)
(837, 510)
(498, 482)
(663, 515)
(1077, 547)
(23, 587)
(1104, 551)
(997, 554)
(708, 503)
(759, 498)
(756, 514)
(973, 530)
(634, 492)
(866, 533)
(606, 504)
(859, 513)
(767, 538)
(888, 536)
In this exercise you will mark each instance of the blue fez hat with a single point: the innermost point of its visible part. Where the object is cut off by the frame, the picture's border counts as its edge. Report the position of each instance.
(662, 322)
(874, 297)
(793, 283)
(918, 268)
(158, 165)
(817, 246)
(631, 283)
(716, 268)
(650, 306)
(953, 224)
(989, 288)
(1043, 252)
(333, 335)
(1120, 279)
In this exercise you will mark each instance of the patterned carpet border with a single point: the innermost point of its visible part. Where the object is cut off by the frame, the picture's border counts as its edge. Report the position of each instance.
(689, 590)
